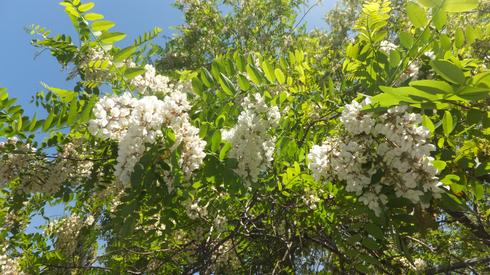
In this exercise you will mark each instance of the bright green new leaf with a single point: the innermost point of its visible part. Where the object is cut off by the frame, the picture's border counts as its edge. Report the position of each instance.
(416, 14)
(215, 140)
(459, 38)
(448, 71)
(280, 76)
(432, 86)
(243, 82)
(3, 94)
(460, 5)
(111, 37)
(427, 123)
(93, 16)
(224, 150)
(86, 7)
(48, 121)
(439, 19)
(406, 39)
(131, 73)
(254, 74)
(72, 114)
(124, 53)
(269, 71)
(447, 123)
(103, 25)
(430, 3)
(65, 95)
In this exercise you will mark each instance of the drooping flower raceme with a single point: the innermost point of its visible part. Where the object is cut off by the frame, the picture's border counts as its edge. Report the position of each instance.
(252, 144)
(135, 123)
(378, 155)
(38, 174)
(9, 265)
(66, 231)
(151, 83)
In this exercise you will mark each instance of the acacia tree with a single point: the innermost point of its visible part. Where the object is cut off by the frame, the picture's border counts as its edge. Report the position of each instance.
(257, 162)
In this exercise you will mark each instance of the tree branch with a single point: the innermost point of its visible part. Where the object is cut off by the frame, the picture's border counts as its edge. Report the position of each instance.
(459, 265)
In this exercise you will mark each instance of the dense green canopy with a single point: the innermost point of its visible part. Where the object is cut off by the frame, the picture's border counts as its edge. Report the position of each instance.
(252, 145)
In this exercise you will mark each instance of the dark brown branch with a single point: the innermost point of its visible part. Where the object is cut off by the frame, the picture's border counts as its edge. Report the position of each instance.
(458, 265)
(477, 229)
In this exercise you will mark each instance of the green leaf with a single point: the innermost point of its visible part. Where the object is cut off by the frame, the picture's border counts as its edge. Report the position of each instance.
(226, 85)
(48, 121)
(430, 3)
(416, 14)
(3, 94)
(432, 86)
(224, 150)
(460, 5)
(254, 74)
(70, 10)
(243, 82)
(384, 100)
(206, 78)
(439, 18)
(459, 38)
(474, 93)
(131, 73)
(86, 7)
(87, 110)
(439, 165)
(483, 169)
(124, 53)
(280, 76)
(215, 140)
(269, 71)
(65, 95)
(93, 16)
(395, 58)
(375, 231)
(72, 114)
(370, 243)
(406, 39)
(32, 125)
(448, 71)
(427, 123)
(111, 37)
(103, 25)
(362, 268)
(447, 123)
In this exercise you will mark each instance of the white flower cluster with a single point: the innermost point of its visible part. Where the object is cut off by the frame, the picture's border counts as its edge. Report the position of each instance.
(253, 146)
(418, 265)
(8, 265)
(194, 210)
(36, 173)
(152, 83)
(311, 198)
(386, 46)
(134, 123)
(66, 231)
(158, 227)
(411, 72)
(378, 155)
(413, 69)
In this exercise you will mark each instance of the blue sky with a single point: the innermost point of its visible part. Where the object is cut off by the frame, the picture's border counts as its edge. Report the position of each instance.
(22, 74)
